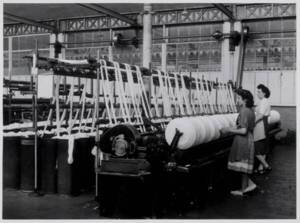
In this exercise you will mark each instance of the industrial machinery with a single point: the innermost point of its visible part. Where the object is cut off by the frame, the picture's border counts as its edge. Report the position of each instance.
(167, 129)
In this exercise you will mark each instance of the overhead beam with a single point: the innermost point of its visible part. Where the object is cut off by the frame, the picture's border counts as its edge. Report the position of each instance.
(101, 9)
(225, 10)
(29, 22)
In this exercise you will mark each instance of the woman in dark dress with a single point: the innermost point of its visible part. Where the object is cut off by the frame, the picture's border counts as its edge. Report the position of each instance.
(241, 157)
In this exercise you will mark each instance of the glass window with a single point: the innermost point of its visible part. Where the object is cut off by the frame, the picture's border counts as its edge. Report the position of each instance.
(21, 65)
(275, 28)
(261, 54)
(275, 48)
(157, 35)
(274, 58)
(5, 43)
(29, 42)
(204, 56)
(289, 28)
(156, 56)
(181, 57)
(5, 63)
(250, 56)
(171, 57)
(193, 53)
(288, 53)
(172, 34)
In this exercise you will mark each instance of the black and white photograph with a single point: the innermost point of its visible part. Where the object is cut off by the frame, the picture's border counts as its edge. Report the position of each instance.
(149, 110)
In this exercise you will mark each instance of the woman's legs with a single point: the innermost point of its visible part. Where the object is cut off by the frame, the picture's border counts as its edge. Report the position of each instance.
(262, 160)
(245, 181)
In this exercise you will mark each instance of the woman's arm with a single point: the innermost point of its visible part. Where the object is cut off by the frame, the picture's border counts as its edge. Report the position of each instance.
(258, 117)
(240, 131)
(236, 131)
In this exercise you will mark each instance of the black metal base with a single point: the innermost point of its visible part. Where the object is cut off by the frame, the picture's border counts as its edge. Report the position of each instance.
(35, 193)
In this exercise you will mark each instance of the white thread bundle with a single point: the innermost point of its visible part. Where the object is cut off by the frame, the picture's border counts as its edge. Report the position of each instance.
(202, 129)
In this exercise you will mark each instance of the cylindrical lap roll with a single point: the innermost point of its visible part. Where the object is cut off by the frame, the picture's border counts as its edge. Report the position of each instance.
(274, 117)
(11, 162)
(210, 129)
(187, 129)
(217, 126)
(229, 120)
(48, 170)
(200, 129)
(222, 120)
(234, 117)
(27, 163)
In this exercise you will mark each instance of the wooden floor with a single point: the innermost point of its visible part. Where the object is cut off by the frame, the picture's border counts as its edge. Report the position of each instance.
(275, 198)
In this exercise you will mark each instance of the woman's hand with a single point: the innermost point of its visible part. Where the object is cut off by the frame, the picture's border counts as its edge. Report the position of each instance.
(225, 131)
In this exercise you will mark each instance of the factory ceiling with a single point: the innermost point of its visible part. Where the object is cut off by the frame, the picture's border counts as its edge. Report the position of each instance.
(40, 12)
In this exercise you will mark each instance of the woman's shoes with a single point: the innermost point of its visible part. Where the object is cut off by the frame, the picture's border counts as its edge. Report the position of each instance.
(268, 169)
(250, 188)
(265, 170)
(237, 193)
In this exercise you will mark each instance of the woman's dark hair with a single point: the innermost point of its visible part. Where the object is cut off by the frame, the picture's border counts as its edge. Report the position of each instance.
(264, 89)
(246, 95)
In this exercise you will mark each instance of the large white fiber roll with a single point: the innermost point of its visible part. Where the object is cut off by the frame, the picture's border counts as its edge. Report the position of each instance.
(185, 126)
(222, 120)
(217, 124)
(274, 117)
(210, 129)
(229, 120)
(200, 128)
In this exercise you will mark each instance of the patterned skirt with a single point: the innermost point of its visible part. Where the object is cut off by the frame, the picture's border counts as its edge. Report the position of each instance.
(241, 157)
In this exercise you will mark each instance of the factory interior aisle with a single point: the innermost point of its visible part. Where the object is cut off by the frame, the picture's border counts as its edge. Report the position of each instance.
(275, 198)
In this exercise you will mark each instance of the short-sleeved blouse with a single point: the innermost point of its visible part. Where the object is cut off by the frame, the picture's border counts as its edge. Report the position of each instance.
(263, 107)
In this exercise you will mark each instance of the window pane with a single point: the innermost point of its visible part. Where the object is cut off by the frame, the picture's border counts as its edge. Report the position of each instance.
(5, 43)
(5, 63)
(20, 65)
(29, 42)
(157, 35)
(250, 56)
(171, 57)
(274, 59)
(156, 56)
(289, 28)
(261, 54)
(288, 53)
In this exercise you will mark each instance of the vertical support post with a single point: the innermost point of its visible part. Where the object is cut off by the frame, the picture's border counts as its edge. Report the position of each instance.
(237, 27)
(110, 53)
(164, 50)
(97, 138)
(34, 78)
(164, 57)
(147, 35)
(147, 46)
(10, 65)
(227, 56)
(239, 78)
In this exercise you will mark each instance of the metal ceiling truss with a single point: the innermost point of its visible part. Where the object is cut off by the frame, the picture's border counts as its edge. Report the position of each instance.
(30, 22)
(225, 10)
(109, 12)
(175, 17)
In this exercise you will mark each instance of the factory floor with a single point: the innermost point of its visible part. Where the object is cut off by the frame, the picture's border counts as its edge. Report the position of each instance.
(275, 198)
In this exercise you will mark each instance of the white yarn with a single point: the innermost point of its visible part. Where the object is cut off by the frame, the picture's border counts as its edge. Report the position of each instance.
(210, 129)
(70, 149)
(199, 129)
(274, 117)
